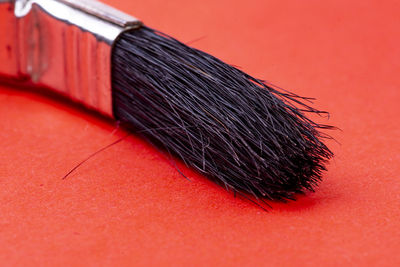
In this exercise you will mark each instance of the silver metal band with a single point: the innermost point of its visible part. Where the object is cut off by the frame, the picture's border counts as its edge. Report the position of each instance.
(103, 12)
(65, 45)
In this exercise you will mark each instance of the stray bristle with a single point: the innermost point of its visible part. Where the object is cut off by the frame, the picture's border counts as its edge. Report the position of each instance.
(240, 132)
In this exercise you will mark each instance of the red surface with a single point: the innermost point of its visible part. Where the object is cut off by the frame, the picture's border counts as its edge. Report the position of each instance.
(128, 205)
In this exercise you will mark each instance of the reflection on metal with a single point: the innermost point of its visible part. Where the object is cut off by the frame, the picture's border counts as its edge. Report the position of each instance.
(63, 44)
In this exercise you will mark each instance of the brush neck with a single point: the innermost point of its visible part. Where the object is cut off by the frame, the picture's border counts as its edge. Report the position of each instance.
(8, 41)
(65, 45)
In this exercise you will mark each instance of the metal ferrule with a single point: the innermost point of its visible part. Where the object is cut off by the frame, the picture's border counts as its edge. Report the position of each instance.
(65, 45)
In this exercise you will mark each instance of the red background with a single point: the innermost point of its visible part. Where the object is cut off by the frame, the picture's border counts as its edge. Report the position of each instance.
(128, 205)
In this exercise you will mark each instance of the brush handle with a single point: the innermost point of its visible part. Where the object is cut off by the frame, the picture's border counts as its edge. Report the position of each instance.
(65, 45)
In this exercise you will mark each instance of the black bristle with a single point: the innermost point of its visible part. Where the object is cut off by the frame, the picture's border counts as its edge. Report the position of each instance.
(240, 132)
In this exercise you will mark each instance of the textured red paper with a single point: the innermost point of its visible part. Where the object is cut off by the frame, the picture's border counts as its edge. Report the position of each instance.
(129, 206)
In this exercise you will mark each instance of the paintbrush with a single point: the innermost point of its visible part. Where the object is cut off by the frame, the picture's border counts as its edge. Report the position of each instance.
(242, 133)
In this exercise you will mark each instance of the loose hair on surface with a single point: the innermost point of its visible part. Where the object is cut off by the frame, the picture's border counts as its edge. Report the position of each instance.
(240, 132)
